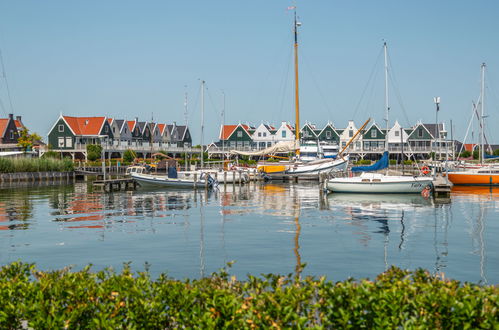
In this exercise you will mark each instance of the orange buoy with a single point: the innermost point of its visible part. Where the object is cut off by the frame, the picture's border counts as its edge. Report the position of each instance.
(425, 170)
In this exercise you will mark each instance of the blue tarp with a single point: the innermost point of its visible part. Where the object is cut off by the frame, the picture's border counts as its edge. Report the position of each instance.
(172, 173)
(379, 165)
(491, 156)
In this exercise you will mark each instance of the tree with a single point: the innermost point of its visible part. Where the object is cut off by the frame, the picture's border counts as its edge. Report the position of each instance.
(129, 156)
(27, 139)
(94, 152)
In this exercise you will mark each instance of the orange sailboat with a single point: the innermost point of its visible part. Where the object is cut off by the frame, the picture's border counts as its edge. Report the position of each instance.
(483, 175)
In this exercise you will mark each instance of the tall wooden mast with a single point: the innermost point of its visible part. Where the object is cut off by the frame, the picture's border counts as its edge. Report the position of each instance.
(297, 97)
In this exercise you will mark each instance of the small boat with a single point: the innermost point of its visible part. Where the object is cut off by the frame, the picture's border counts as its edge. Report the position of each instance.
(171, 180)
(309, 151)
(329, 150)
(379, 184)
(480, 174)
(368, 182)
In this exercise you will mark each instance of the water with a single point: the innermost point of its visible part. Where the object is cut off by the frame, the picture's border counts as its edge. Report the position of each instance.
(264, 228)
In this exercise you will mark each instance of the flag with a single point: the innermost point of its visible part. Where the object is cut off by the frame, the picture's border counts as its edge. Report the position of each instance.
(291, 7)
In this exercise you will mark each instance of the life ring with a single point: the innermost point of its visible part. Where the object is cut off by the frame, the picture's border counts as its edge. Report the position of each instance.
(425, 170)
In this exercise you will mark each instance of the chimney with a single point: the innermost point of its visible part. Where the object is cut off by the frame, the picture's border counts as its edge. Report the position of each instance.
(11, 116)
(18, 118)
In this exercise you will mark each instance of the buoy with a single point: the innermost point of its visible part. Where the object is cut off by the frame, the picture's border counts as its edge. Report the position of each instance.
(425, 170)
(426, 192)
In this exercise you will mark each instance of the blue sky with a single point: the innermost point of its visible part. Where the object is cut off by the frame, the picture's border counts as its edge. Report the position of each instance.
(137, 58)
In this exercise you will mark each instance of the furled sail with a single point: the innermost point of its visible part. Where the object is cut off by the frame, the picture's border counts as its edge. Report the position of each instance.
(280, 147)
(379, 165)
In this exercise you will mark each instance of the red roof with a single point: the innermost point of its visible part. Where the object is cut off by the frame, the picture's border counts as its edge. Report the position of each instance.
(85, 125)
(469, 146)
(3, 125)
(131, 124)
(18, 124)
(110, 121)
(161, 128)
(227, 130)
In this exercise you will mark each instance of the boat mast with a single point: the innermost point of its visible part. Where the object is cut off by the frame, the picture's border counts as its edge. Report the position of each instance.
(387, 106)
(202, 121)
(482, 123)
(297, 98)
(223, 128)
(186, 122)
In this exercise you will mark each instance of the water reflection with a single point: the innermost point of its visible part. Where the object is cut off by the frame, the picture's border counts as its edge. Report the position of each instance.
(271, 227)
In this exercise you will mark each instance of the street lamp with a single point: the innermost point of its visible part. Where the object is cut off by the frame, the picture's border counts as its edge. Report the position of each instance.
(436, 100)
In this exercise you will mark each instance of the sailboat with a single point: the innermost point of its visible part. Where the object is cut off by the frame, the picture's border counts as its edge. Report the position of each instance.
(299, 168)
(483, 175)
(369, 182)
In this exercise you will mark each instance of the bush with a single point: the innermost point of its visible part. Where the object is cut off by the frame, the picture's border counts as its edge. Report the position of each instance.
(465, 154)
(107, 300)
(393, 162)
(129, 156)
(51, 154)
(94, 152)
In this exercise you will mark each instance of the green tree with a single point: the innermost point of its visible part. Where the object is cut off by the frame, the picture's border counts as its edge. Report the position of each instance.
(465, 154)
(94, 152)
(27, 139)
(129, 156)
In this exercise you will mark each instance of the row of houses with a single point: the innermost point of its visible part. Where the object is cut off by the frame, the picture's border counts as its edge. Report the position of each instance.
(418, 141)
(10, 131)
(70, 136)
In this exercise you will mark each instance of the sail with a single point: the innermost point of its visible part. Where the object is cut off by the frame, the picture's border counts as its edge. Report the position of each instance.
(379, 165)
(280, 147)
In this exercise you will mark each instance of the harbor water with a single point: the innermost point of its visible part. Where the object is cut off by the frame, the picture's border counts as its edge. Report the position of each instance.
(262, 227)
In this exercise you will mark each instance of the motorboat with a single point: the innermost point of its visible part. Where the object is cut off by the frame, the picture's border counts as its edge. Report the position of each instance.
(204, 180)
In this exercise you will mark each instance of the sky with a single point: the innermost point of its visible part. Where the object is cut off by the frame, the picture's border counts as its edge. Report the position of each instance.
(127, 59)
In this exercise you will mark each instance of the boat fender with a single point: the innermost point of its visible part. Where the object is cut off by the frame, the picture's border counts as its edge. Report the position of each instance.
(426, 192)
(425, 170)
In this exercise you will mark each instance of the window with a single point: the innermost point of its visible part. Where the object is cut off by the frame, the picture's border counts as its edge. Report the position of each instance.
(106, 129)
(61, 128)
(114, 129)
(374, 133)
(264, 134)
(328, 134)
(350, 133)
(239, 134)
(11, 134)
(283, 134)
(60, 142)
(397, 133)
(420, 132)
(259, 134)
(69, 142)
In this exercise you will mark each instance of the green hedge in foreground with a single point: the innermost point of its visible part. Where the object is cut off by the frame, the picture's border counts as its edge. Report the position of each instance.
(107, 300)
(14, 165)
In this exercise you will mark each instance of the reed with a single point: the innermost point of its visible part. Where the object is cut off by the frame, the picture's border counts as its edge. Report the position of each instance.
(15, 165)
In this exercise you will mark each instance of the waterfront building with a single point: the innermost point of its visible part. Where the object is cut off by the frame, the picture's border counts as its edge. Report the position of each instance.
(70, 136)
(263, 136)
(9, 133)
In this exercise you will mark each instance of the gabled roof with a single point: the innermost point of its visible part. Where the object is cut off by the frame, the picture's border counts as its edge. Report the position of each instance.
(120, 123)
(142, 126)
(85, 125)
(161, 128)
(4, 122)
(227, 130)
(110, 120)
(131, 125)
(19, 125)
(182, 129)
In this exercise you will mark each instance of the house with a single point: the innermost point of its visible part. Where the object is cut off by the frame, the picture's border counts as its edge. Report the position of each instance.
(8, 132)
(184, 136)
(73, 134)
(285, 132)
(329, 134)
(308, 133)
(348, 134)
(236, 136)
(374, 138)
(263, 136)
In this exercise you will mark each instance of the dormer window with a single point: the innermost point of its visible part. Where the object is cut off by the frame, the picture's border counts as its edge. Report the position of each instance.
(350, 133)
(420, 132)
(374, 133)
(86, 122)
(60, 128)
(397, 133)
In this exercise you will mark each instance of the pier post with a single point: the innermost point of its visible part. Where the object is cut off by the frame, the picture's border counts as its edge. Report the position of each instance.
(195, 180)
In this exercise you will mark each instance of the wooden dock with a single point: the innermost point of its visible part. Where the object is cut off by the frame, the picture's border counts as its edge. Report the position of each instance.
(116, 184)
(441, 187)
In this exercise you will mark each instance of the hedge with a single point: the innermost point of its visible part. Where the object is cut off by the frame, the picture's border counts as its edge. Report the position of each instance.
(107, 300)
(14, 165)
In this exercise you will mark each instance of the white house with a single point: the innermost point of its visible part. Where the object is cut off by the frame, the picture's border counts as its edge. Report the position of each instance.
(347, 135)
(263, 136)
(284, 133)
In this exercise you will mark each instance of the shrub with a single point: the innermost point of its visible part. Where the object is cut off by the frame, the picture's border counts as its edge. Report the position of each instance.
(129, 156)
(465, 154)
(108, 300)
(51, 154)
(94, 152)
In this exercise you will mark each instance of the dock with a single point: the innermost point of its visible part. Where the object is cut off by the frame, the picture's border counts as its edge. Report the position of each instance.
(116, 184)
(441, 187)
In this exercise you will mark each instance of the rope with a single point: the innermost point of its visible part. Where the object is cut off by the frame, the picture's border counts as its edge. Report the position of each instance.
(4, 75)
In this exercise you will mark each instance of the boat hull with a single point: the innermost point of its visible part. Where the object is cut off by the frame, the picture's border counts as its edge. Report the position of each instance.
(393, 185)
(148, 180)
(474, 179)
(310, 170)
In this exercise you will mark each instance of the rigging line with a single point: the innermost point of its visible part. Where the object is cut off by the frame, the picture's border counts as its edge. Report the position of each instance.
(323, 99)
(3, 107)
(6, 82)
(374, 72)
(284, 86)
(394, 84)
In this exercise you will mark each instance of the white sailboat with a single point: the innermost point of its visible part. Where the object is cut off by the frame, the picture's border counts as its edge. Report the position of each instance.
(299, 168)
(378, 182)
